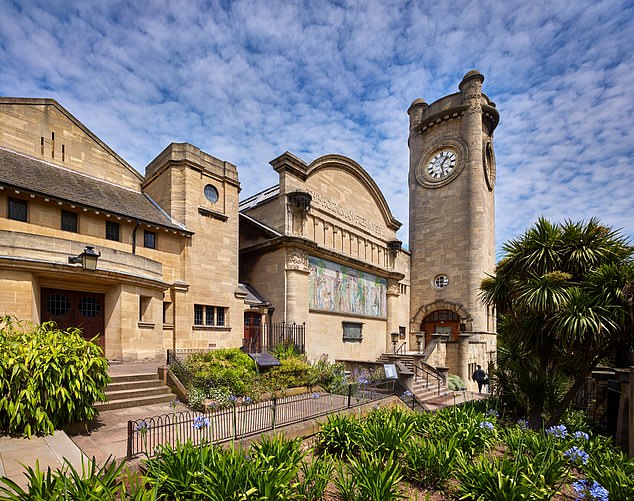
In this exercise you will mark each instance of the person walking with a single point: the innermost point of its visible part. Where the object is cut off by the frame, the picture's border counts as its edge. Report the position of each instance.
(479, 376)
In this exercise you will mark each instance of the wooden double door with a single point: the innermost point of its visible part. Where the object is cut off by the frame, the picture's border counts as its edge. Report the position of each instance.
(84, 310)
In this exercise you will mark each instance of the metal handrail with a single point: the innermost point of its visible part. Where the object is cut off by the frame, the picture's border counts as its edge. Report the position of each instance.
(426, 371)
(400, 350)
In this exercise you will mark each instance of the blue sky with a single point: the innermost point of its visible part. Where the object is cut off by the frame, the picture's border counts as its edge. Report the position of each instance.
(248, 80)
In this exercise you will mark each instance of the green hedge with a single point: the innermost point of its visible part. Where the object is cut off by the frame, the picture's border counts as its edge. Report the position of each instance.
(48, 377)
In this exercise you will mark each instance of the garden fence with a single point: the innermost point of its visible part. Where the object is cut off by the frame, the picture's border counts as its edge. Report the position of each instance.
(241, 419)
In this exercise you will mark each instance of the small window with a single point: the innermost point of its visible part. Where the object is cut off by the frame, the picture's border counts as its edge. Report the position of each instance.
(112, 231)
(209, 315)
(220, 316)
(17, 209)
(352, 332)
(167, 312)
(401, 332)
(211, 193)
(69, 221)
(441, 281)
(149, 239)
(198, 314)
(144, 307)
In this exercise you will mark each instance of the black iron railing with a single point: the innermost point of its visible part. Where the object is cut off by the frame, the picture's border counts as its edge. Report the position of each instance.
(181, 355)
(238, 421)
(430, 376)
(266, 337)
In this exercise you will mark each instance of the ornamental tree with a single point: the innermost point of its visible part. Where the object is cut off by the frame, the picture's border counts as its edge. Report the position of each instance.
(564, 302)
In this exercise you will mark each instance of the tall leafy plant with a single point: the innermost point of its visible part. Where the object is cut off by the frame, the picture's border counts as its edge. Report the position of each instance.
(48, 377)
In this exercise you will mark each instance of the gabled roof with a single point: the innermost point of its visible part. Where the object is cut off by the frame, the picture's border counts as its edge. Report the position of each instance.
(21, 172)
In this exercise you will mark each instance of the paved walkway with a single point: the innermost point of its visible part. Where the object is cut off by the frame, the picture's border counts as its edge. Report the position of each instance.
(45, 451)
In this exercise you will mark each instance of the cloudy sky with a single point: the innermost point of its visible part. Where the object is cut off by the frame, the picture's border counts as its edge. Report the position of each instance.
(248, 80)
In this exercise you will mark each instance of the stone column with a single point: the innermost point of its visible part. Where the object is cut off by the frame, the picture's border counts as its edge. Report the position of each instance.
(392, 307)
(297, 271)
(462, 368)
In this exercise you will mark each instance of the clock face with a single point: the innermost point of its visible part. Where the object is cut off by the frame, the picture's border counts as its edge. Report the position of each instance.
(442, 164)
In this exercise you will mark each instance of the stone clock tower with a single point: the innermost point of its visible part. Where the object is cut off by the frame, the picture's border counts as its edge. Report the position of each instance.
(451, 232)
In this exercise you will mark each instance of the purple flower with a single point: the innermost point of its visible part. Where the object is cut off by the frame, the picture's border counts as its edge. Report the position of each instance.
(493, 412)
(407, 394)
(581, 434)
(487, 425)
(576, 455)
(232, 399)
(142, 427)
(174, 403)
(362, 380)
(200, 422)
(246, 400)
(590, 491)
(523, 424)
(316, 395)
(558, 431)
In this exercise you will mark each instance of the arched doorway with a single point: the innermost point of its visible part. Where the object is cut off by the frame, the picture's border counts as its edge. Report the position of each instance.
(444, 322)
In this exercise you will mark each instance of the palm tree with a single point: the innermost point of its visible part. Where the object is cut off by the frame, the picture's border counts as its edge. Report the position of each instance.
(561, 292)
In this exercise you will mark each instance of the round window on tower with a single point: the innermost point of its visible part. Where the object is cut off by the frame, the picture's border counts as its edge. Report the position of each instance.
(211, 193)
(441, 281)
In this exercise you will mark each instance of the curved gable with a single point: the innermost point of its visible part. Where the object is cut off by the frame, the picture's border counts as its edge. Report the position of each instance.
(357, 174)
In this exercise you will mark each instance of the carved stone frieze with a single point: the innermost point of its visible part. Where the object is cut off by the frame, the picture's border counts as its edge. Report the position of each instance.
(297, 259)
(392, 287)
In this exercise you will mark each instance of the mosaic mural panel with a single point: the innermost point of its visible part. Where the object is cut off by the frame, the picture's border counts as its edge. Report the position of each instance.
(341, 289)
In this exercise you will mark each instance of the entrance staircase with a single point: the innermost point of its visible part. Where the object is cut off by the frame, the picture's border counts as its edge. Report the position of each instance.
(425, 386)
(134, 390)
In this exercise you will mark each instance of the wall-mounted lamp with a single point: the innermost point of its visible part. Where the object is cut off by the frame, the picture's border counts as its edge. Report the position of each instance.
(87, 259)
(394, 337)
(419, 340)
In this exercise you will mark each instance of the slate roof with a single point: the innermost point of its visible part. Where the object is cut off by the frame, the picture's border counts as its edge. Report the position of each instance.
(42, 178)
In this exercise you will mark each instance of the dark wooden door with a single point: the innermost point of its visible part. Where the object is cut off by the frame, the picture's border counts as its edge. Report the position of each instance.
(83, 310)
(441, 322)
(252, 332)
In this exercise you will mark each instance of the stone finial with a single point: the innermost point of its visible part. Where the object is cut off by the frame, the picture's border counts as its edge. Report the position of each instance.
(470, 75)
(471, 88)
(415, 111)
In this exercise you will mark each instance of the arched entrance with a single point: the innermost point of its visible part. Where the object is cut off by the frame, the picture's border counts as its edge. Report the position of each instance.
(444, 322)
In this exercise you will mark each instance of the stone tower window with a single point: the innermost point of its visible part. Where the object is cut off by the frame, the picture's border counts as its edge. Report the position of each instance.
(211, 193)
(441, 281)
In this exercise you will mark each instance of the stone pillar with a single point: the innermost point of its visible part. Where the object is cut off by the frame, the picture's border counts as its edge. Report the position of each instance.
(297, 271)
(462, 368)
(471, 89)
(622, 428)
(392, 313)
(180, 314)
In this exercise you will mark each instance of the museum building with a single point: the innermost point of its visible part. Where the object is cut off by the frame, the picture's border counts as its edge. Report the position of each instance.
(172, 259)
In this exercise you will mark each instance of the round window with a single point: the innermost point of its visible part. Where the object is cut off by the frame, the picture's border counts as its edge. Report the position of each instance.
(211, 193)
(441, 281)
(57, 305)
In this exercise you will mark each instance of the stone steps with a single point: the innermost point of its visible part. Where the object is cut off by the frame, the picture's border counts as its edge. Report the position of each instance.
(134, 390)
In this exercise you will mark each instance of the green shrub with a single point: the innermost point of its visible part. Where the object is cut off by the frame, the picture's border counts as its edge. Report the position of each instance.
(48, 377)
(229, 369)
(339, 435)
(455, 382)
(295, 371)
(92, 483)
(386, 431)
(431, 462)
(315, 477)
(331, 377)
(614, 471)
(376, 476)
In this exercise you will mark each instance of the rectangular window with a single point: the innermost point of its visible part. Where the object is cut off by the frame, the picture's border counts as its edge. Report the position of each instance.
(144, 305)
(212, 315)
(209, 315)
(220, 316)
(198, 314)
(112, 231)
(69, 221)
(352, 332)
(149, 239)
(17, 209)
(401, 332)
(167, 312)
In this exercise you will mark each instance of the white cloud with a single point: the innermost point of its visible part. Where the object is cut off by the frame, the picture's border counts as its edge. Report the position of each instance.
(247, 80)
